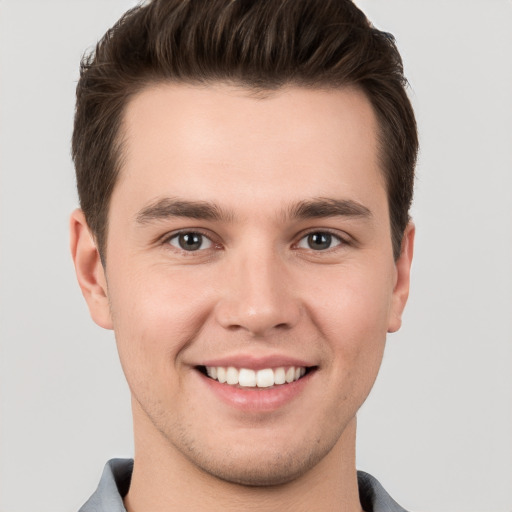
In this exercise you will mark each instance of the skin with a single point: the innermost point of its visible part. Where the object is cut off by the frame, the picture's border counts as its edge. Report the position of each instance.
(255, 288)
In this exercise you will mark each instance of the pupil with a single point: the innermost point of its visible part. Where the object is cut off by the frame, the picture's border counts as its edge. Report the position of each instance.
(319, 241)
(190, 241)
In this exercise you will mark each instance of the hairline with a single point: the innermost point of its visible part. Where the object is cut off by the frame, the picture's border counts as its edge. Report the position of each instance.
(118, 153)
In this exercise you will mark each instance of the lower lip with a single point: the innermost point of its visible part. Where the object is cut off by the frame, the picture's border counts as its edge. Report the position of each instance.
(257, 399)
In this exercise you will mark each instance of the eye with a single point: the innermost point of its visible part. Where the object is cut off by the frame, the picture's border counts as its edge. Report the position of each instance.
(190, 241)
(319, 241)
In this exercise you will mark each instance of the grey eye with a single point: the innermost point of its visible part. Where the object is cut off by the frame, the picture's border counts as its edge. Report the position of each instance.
(319, 241)
(190, 241)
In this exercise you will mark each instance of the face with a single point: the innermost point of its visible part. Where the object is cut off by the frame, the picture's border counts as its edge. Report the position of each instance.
(249, 241)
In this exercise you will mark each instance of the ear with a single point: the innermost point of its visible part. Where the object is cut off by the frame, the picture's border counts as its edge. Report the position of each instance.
(89, 269)
(403, 275)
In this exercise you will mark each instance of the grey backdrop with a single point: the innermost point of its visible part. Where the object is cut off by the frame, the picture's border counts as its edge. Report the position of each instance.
(437, 428)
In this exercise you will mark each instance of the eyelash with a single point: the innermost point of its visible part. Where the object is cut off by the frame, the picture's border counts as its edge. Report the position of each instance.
(341, 241)
(207, 236)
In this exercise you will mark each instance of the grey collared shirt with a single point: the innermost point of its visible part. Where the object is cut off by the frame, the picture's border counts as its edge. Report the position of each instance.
(117, 474)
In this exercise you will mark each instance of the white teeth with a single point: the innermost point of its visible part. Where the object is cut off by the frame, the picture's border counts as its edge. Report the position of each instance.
(221, 374)
(247, 378)
(212, 371)
(232, 375)
(280, 375)
(265, 378)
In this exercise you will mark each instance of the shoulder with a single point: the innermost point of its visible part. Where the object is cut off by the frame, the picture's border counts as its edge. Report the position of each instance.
(113, 486)
(373, 496)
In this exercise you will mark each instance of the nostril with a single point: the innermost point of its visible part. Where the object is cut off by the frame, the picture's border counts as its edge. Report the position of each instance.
(257, 314)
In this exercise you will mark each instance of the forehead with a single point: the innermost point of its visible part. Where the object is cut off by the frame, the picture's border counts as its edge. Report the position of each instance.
(210, 142)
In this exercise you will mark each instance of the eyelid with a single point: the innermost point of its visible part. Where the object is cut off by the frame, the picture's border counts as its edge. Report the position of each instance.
(343, 239)
(165, 240)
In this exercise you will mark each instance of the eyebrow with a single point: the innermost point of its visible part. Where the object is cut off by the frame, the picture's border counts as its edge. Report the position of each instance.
(327, 207)
(168, 207)
(165, 208)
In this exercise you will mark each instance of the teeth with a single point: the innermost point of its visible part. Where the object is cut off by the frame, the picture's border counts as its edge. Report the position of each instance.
(232, 375)
(221, 374)
(247, 378)
(264, 378)
(280, 375)
(212, 372)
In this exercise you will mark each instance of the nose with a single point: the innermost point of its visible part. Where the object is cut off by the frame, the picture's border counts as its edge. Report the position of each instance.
(258, 296)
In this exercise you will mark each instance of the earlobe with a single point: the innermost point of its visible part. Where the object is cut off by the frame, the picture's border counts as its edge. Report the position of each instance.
(403, 275)
(89, 270)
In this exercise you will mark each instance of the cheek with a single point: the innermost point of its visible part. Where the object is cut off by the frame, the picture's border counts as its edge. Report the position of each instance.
(155, 315)
(352, 311)
(354, 301)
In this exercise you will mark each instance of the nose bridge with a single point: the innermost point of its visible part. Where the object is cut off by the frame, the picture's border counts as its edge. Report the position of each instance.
(257, 295)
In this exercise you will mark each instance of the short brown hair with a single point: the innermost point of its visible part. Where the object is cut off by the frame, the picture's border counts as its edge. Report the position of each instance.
(259, 44)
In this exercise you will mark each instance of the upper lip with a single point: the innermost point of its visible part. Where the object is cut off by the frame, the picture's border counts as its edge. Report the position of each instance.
(252, 362)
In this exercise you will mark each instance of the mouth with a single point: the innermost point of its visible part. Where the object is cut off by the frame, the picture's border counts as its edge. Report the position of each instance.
(248, 378)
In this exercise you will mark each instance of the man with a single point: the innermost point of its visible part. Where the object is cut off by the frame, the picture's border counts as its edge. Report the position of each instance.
(245, 172)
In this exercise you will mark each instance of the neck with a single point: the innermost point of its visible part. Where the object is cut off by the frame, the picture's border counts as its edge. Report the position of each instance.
(164, 480)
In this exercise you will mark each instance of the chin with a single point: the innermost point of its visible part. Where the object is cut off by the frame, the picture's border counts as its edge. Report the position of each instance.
(280, 471)
(245, 466)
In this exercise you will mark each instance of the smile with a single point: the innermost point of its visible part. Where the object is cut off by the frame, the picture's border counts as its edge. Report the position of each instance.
(247, 378)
